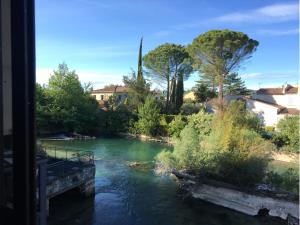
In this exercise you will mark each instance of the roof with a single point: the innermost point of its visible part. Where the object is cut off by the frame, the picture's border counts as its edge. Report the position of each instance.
(112, 89)
(281, 109)
(265, 102)
(288, 89)
(290, 111)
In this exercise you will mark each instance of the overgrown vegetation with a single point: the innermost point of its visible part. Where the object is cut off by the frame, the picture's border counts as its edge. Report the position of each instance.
(287, 134)
(64, 104)
(227, 145)
(288, 180)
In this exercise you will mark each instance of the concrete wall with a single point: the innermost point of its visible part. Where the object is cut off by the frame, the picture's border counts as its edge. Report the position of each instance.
(246, 203)
(267, 113)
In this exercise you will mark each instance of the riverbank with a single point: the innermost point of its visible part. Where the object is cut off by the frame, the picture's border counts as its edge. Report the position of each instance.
(141, 137)
(278, 156)
(251, 202)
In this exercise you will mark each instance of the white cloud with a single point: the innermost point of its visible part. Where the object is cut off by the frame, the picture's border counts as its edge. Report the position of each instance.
(268, 14)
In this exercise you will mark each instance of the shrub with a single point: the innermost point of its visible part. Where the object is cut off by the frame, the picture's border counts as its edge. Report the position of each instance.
(288, 132)
(176, 126)
(241, 155)
(201, 122)
(165, 162)
(226, 145)
(289, 180)
(189, 108)
(148, 114)
(269, 129)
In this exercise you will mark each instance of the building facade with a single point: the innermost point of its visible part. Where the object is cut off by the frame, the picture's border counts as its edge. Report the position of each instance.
(103, 95)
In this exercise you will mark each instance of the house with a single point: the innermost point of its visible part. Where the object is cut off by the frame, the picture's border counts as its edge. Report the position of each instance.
(189, 96)
(104, 94)
(269, 104)
(272, 104)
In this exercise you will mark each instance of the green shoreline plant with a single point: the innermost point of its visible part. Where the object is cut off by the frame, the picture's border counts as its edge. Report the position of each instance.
(226, 144)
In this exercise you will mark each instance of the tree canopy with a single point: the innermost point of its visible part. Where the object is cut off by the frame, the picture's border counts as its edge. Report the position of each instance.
(169, 64)
(217, 53)
(64, 105)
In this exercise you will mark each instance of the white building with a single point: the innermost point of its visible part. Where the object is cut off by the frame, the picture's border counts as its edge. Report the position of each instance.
(272, 104)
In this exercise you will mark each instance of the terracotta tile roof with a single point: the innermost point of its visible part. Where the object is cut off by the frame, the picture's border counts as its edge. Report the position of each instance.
(278, 91)
(112, 89)
(290, 111)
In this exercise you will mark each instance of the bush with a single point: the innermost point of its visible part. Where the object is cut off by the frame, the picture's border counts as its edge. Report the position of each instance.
(113, 121)
(226, 145)
(241, 155)
(288, 132)
(269, 129)
(201, 122)
(176, 126)
(289, 180)
(189, 108)
(148, 114)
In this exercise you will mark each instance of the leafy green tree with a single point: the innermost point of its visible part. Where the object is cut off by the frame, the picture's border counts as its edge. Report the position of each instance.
(234, 85)
(148, 114)
(168, 64)
(217, 53)
(288, 131)
(64, 105)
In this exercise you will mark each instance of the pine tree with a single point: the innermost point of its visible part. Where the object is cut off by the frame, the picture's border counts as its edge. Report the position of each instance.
(234, 85)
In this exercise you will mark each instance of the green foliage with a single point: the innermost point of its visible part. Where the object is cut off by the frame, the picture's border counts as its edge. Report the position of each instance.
(64, 105)
(169, 64)
(148, 114)
(203, 93)
(288, 132)
(217, 53)
(288, 180)
(234, 85)
(189, 108)
(241, 155)
(201, 122)
(176, 126)
(225, 144)
(269, 129)
(113, 121)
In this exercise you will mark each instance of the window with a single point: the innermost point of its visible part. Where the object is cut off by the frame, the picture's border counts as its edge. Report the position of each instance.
(102, 97)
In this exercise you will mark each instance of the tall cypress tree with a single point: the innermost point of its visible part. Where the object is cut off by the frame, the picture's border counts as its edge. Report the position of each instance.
(179, 91)
(140, 78)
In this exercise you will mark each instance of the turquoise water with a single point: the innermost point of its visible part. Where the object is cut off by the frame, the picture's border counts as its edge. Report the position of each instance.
(135, 196)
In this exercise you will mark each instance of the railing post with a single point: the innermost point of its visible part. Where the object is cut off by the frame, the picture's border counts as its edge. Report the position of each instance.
(42, 180)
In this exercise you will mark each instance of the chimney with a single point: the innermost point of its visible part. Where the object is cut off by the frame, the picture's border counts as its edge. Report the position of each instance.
(284, 88)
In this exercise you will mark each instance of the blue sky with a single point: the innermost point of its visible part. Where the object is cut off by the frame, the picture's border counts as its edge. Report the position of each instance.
(100, 38)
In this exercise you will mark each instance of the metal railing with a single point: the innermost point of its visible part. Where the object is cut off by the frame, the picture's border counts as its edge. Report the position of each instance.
(62, 161)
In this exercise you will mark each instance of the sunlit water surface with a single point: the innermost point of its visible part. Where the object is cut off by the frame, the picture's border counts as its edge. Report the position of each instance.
(132, 196)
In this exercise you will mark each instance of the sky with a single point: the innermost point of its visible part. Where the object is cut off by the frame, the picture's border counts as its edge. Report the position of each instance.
(99, 39)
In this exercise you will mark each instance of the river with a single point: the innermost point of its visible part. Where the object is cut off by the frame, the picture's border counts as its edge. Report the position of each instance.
(132, 196)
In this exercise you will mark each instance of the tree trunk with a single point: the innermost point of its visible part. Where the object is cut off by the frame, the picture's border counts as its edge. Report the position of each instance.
(168, 94)
(221, 94)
